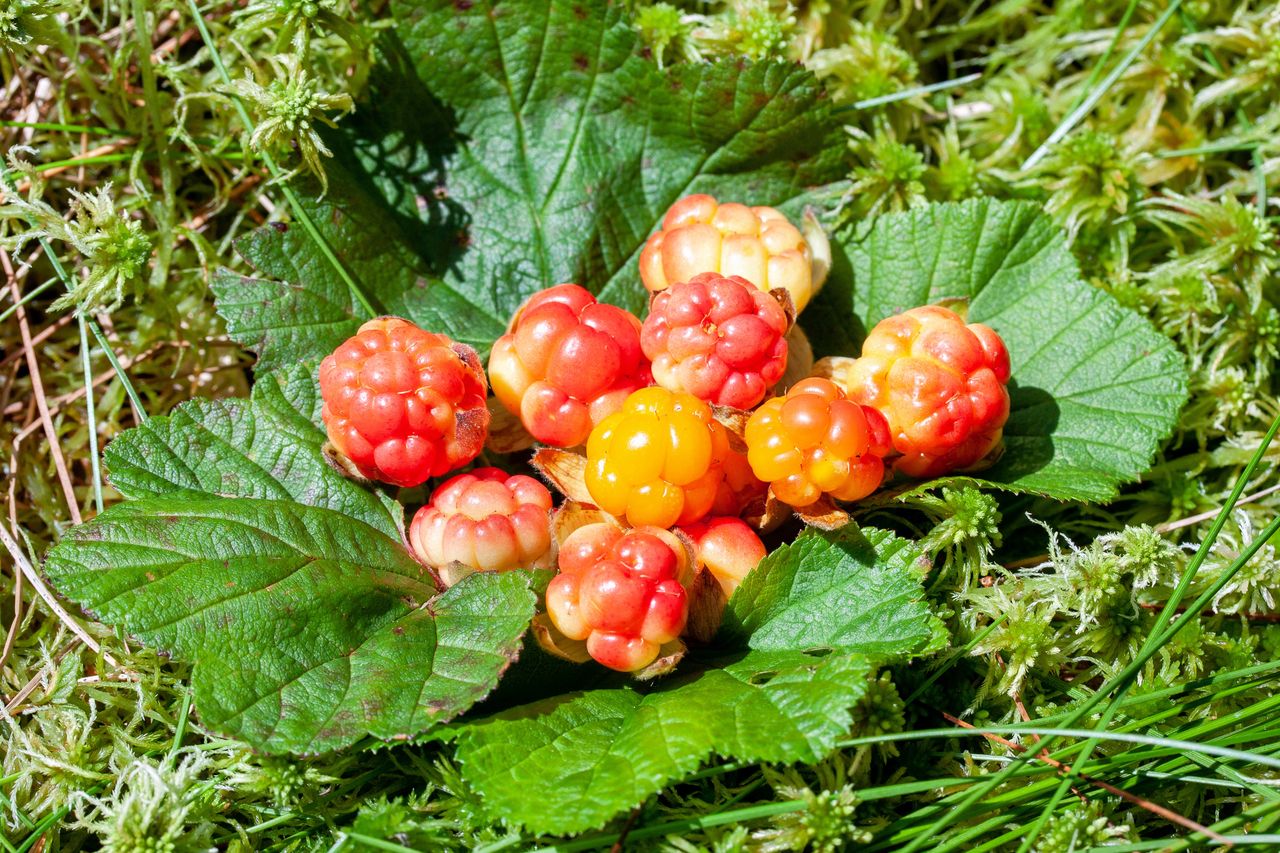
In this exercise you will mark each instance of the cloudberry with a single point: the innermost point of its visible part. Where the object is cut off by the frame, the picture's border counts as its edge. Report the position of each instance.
(814, 441)
(939, 383)
(486, 520)
(699, 235)
(659, 461)
(719, 339)
(404, 404)
(621, 592)
(567, 363)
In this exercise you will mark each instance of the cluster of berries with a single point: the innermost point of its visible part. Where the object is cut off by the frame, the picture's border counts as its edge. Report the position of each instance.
(684, 444)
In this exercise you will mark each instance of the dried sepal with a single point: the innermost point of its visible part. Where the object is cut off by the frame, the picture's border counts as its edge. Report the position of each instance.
(833, 367)
(556, 644)
(565, 470)
(787, 303)
(734, 422)
(767, 514)
(823, 514)
(668, 657)
(343, 464)
(452, 572)
(574, 514)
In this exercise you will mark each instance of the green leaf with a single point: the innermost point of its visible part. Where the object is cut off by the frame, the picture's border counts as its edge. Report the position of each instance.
(307, 629)
(571, 763)
(266, 447)
(1095, 388)
(852, 590)
(577, 146)
(298, 309)
(545, 150)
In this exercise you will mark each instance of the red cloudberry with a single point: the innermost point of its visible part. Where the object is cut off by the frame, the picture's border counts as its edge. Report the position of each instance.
(621, 592)
(939, 383)
(700, 235)
(659, 461)
(719, 339)
(814, 441)
(404, 404)
(487, 520)
(567, 363)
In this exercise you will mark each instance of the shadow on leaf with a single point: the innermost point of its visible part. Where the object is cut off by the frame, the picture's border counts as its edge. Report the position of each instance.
(1028, 436)
(400, 141)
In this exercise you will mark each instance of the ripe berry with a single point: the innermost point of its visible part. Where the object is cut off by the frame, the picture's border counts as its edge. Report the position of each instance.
(719, 339)
(758, 243)
(939, 383)
(621, 592)
(486, 520)
(567, 363)
(659, 461)
(728, 548)
(813, 442)
(403, 404)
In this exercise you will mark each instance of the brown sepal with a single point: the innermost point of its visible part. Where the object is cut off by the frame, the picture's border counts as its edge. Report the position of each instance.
(835, 368)
(823, 514)
(787, 304)
(343, 464)
(706, 607)
(565, 470)
(506, 433)
(668, 656)
(766, 514)
(572, 515)
(735, 423)
(554, 643)
(451, 573)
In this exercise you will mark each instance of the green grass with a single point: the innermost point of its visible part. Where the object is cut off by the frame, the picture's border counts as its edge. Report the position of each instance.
(1148, 645)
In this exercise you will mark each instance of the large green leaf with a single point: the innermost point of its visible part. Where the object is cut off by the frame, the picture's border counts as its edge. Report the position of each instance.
(570, 763)
(1095, 388)
(308, 629)
(853, 590)
(778, 685)
(543, 149)
(266, 447)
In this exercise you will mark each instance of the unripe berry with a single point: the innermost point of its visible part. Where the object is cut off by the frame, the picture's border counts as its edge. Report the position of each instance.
(403, 404)
(813, 442)
(487, 520)
(700, 235)
(939, 383)
(728, 548)
(719, 339)
(567, 363)
(659, 461)
(621, 592)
